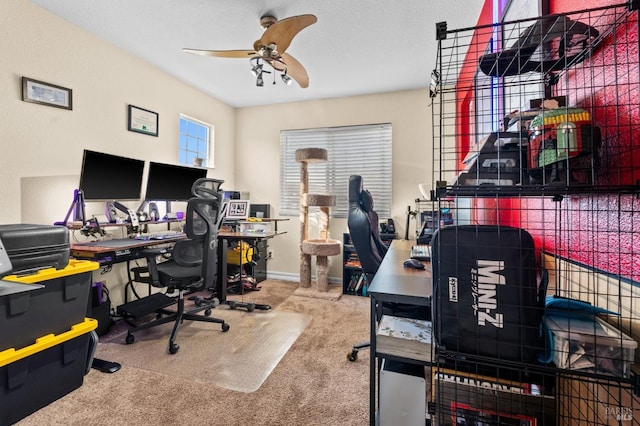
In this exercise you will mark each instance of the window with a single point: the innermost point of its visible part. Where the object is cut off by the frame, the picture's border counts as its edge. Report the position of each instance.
(353, 150)
(195, 141)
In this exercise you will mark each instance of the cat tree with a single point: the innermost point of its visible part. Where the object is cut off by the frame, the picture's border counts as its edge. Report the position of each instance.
(321, 247)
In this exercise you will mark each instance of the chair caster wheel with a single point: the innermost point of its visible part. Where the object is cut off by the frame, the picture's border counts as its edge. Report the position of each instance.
(129, 339)
(225, 327)
(173, 348)
(352, 356)
(207, 312)
(251, 307)
(232, 305)
(198, 301)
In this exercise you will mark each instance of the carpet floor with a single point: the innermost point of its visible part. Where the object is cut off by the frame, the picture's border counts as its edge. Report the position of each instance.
(311, 383)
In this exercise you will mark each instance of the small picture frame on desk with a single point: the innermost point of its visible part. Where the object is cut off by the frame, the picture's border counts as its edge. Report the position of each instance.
(237, 210)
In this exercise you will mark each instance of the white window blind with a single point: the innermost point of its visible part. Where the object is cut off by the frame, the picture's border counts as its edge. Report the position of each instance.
(353, 150)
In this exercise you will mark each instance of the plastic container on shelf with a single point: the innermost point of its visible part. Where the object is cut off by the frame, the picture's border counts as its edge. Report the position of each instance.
(58, 300)
(587, 343)
(36, 375)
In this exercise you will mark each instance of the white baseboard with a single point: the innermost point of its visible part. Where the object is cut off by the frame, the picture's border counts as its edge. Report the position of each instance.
(288, 276)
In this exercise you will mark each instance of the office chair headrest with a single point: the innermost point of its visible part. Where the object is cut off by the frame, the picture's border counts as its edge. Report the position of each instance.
(207, 188)
(366, 200)
(355, 188)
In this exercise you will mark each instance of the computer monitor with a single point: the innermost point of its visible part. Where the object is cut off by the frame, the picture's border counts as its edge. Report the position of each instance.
(168, 182)
(106, 177)
(231, 195)
(260, 210)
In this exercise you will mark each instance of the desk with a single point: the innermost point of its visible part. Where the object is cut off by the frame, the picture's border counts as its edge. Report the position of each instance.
(223, 244)
(394, 283)
(108, 252)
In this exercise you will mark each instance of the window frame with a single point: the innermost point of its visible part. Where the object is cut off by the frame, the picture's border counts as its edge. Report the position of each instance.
(185, 153)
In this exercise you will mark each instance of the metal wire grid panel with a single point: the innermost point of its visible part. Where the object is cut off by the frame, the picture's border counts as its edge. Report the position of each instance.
(535, 126)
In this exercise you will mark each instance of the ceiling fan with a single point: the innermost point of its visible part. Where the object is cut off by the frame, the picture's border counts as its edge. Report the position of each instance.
(271, 48)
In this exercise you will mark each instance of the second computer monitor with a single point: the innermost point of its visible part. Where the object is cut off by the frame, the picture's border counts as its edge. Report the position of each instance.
(168, 182)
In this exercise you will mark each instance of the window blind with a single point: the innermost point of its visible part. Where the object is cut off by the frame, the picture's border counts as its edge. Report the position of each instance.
(363, 150)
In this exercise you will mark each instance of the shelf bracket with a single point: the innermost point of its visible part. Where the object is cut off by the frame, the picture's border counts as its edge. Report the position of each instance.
(441, 31)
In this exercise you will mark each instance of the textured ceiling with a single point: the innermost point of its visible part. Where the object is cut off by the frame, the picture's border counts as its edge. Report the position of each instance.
(357, 47)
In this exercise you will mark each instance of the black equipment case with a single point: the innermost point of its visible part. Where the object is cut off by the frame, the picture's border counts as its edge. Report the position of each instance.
(33, 247)
(486, 297)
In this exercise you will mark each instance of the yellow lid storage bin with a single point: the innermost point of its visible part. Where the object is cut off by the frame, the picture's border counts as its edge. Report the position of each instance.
(36, 375)
(47, 302)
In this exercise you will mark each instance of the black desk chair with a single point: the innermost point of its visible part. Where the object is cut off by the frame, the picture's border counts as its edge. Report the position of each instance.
(192, 264)
(365, 236)
(364, 229)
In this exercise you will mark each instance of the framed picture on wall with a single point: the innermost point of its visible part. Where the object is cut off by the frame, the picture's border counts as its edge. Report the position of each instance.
(237, 209)
(39, 92)
(143, 121)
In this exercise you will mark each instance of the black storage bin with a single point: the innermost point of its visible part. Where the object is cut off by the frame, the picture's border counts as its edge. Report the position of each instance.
(61, 302)
(33, 247)
(35, 376)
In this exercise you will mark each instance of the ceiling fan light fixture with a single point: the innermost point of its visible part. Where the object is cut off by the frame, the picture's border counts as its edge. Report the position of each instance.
(259, 80)
(256, 69)
(286, 79)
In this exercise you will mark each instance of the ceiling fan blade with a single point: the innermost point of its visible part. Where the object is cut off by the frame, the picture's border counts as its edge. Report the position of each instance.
(282, 32)
(295, 70)
(222, 53)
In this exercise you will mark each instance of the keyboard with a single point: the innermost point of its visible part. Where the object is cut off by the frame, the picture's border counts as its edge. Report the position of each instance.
(162, 235)
(421, 252)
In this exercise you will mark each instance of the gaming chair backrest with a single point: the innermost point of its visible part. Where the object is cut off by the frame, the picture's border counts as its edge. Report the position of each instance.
(366, 202)
(363, 227)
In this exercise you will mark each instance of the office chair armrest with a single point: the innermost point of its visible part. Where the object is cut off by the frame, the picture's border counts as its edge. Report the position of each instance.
(152, 265)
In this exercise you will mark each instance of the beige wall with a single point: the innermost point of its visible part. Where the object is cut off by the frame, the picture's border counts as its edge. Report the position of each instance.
(39, 140)
(42, 146)
(258, 144)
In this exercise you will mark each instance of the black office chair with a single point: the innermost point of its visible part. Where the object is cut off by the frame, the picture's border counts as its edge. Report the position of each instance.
(192, 264)
(364, 229)
(365, 236)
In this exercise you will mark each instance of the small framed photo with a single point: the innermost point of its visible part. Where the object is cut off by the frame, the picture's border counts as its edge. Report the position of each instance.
(48, 94)
(237, 209)
(143, 121)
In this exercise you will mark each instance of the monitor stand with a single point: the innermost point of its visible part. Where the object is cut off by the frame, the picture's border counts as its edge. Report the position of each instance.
(77, 207)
